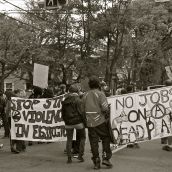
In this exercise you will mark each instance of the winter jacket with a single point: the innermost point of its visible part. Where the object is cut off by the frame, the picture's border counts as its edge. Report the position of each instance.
(95, 107)
(72, 109)
(2, 104)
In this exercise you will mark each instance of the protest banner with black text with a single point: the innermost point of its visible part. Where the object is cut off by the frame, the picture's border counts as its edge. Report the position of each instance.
(141, 116)
(37, 119)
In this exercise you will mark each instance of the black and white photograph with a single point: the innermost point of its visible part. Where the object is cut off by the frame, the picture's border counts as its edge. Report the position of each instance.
(85, 85)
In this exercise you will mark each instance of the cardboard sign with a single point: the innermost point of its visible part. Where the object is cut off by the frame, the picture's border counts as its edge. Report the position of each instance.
(40, 75)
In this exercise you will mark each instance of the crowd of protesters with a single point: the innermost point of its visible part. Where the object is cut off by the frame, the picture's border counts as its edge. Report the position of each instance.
(79, 111)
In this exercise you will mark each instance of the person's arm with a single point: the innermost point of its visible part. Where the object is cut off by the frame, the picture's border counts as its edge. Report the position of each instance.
(80, 109)
(63, 112)
(104, 105)
(103, 102)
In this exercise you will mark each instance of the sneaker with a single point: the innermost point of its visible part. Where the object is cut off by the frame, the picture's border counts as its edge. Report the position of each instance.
(81, 159)
(97, 166)
(1, 146)
(15, 151)
(164, 140)
(107, 163)
(69, 161)
(136, 145)
(167, 148)
(96, 163)
(23, 150)
(130, 146)
(30, 143)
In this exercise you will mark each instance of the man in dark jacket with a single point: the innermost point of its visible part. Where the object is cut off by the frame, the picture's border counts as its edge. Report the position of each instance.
(3, 115)
(96, 108)
(72, 116)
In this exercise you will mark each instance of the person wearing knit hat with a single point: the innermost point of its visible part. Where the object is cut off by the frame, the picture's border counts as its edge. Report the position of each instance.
(72, 116)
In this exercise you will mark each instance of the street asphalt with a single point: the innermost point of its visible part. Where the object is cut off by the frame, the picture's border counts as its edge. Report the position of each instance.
(51, 158)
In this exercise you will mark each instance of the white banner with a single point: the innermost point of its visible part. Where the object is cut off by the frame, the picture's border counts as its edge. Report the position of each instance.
(141, 116)
(37, 119)
(135, 117)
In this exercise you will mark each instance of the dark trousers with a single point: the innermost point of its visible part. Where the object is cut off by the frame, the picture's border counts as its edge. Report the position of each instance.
(20, 144)
(167, 140)
(95, 134)
(5, 124)
(76, 143)
(81, 134)
(164, 140)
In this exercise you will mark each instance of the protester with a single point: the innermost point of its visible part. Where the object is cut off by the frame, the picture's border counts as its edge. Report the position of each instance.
(129, 89)
(62, 89)
(118, 91)
(37, 93)
(3, 115)
(76, 142)
(168, 140)
(96, 107)
(20, 146)
(104, 88)
(48, 93)
(17, 146)
(123, 91)
(13, 143)
(73, 118)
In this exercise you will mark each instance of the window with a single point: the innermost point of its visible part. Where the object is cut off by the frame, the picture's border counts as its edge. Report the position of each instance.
(28, 86)
(8, 86)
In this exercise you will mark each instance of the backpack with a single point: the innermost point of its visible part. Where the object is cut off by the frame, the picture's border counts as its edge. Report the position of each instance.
(69, 110)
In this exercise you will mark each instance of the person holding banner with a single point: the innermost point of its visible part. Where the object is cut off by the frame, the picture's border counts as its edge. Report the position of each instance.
(130, 89)
(37, 93)
(13, 143)
(72, 116)
(96, 108)
(20, 144)
(3, 115)
(168, 140)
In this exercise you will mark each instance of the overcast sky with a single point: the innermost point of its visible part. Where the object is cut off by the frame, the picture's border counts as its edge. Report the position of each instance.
(5, 7)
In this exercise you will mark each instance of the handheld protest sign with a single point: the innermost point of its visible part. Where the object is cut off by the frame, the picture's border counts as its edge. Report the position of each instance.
(40, 75)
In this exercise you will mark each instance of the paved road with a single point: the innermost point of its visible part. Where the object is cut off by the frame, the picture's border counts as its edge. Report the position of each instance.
(50, 158)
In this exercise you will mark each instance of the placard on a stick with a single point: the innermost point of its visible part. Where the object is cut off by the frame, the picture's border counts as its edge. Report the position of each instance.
(40, 75)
